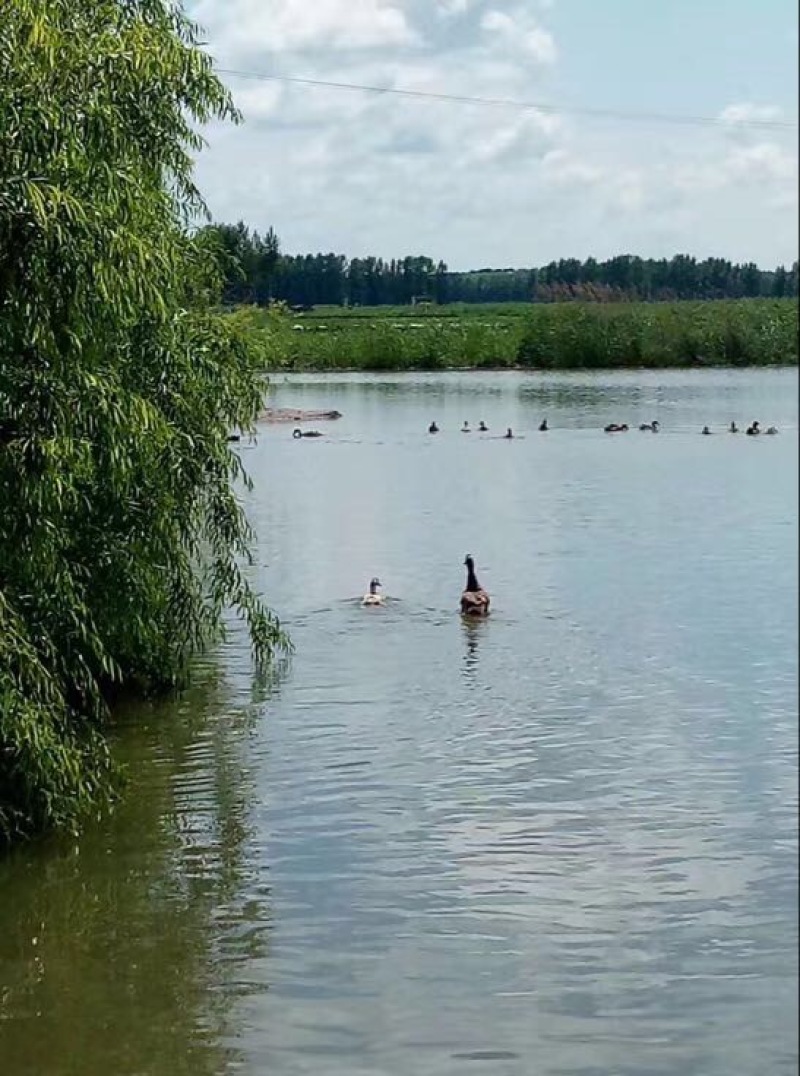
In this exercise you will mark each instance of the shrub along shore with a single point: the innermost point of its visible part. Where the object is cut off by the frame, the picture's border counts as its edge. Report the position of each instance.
(556, 336)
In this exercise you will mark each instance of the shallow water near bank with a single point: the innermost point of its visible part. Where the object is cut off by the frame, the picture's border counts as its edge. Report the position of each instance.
(561, 841)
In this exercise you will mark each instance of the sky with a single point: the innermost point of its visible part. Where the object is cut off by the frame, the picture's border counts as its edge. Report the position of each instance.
(487, 186)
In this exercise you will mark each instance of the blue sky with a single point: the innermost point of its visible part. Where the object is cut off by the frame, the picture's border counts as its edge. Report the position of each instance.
(478, 186)
(678, 55)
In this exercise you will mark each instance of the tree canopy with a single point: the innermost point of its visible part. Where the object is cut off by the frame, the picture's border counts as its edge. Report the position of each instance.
(121, 535)
(259, 273)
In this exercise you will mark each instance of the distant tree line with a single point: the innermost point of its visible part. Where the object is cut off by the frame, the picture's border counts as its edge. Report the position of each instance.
(259, 273)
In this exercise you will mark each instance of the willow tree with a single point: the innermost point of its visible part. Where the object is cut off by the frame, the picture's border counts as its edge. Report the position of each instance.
(121, 537)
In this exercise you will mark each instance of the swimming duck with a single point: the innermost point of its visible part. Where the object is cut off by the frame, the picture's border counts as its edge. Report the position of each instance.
(474, 600)
(543, 427)
(465, 428)
(733, 428)
(482, 427)
(433, 428)
(508, 434)
(615, 427)
(753, 429)
(297, 433)
(652, 426)
(373, 597)
(705, 430)
(771, 429)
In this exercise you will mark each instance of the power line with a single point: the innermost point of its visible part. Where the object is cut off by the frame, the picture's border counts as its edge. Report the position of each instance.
(499, 102)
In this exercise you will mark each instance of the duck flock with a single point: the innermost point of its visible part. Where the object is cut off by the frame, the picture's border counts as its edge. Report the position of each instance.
(475, 600)
(615, 427)
(753, 430)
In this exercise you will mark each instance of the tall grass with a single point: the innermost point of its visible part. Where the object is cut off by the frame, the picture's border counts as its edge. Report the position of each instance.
(746, 332)
(385, 345)
(543, 336)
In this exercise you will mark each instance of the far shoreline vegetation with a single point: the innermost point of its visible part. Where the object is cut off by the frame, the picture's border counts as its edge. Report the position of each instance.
(319, 312)
(259, 273)
(527, 336)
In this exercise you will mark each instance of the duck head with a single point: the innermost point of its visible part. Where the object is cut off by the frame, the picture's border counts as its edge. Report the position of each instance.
(373, 585)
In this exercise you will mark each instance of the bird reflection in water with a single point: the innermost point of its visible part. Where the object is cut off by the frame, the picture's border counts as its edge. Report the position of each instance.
(472, 628)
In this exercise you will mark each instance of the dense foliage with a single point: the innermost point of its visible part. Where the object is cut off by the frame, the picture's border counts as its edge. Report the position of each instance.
(746, 332)
(542, 336)
(121, 538)
(264, 274)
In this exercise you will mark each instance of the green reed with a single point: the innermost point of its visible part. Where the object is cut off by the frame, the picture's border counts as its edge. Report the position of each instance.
(541, 336)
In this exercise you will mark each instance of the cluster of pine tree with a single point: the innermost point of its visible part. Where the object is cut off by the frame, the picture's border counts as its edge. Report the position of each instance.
(259, 273)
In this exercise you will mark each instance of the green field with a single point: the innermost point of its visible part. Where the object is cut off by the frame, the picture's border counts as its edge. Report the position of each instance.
(557, 336)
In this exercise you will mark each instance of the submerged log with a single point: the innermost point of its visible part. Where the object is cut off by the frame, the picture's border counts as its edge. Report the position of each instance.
(287, 414)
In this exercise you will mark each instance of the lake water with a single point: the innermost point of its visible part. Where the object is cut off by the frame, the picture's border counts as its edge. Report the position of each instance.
(559, 842)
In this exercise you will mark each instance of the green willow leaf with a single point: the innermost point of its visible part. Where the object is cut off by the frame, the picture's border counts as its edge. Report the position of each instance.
(122, 541)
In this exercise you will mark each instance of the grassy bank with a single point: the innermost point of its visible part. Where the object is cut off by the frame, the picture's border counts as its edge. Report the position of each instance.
(563, 336)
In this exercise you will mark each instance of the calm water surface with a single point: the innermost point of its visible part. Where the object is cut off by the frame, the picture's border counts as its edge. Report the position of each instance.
(562, 842)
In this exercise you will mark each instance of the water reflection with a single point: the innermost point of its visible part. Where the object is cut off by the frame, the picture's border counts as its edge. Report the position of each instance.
(122, 952)
(471, 628)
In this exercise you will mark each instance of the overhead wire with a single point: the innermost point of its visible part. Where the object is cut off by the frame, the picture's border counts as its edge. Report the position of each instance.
(501, 102)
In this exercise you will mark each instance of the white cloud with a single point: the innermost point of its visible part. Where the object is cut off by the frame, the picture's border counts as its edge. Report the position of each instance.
(516, 139)
(366, 173)
(762, 162)
(242, 27)
(765, 163)
(562, 168)
(614, 188)
(520, 31)
(259, 100)
(628, 190)
(747, 112)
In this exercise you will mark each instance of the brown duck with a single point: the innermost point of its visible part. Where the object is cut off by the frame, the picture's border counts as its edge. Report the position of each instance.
(474, 600)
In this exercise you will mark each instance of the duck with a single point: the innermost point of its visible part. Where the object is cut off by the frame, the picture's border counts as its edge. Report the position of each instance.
(615, 427)
(652, 426)
(474, 599)
(733, 428)
(753, 429)
(297, 433)
(433, 428)
(771, 429)
(482, 427)
(543, 427)
(705, 430)
(508, 435)
(465, 428)
(373, 597)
